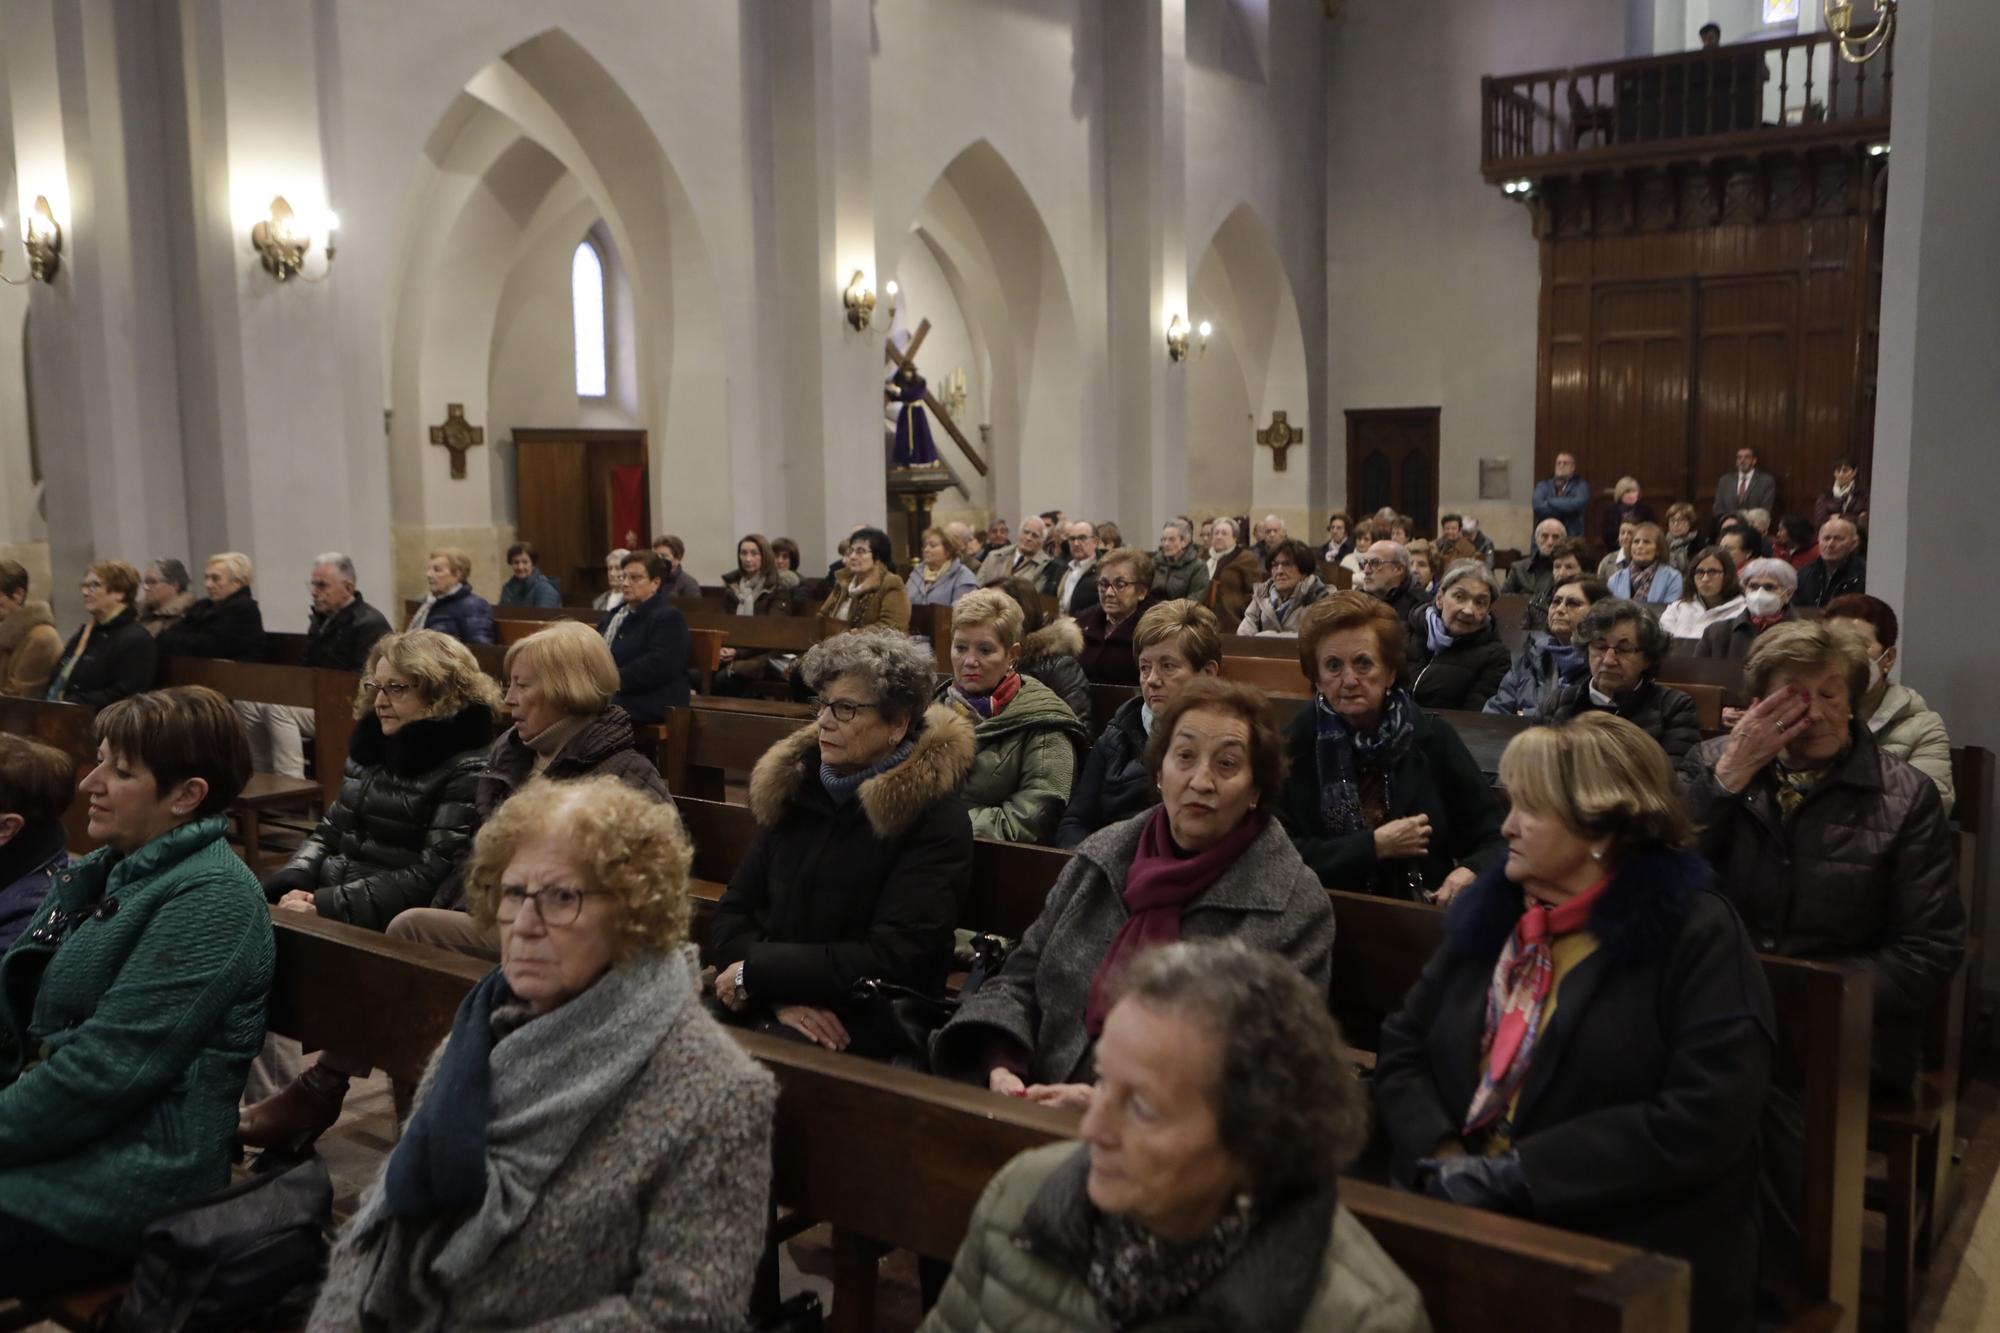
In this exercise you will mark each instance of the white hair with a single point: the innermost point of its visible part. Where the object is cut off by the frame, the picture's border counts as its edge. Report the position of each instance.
(341, 565)
(1766, 567)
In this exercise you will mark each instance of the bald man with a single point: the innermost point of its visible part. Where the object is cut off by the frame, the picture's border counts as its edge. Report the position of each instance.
(1840, 569)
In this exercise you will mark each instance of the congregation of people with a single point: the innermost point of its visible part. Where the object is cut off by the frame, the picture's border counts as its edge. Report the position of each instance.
(589, 1145)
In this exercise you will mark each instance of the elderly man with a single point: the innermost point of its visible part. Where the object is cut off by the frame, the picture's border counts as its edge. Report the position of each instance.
(1840, 569)
(1564, 496)
(1385, 572)
(1271, 535)
(339, 636)
(998, 538)
(1025, 557)
(1074, 583)
(958, 535)
(1532, 577)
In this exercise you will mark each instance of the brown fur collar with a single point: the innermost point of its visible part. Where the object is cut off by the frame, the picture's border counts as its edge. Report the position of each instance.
(893, 801)
(29, 617)
(1058, 638)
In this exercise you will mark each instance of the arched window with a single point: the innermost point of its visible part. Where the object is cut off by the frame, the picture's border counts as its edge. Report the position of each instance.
(586, 286)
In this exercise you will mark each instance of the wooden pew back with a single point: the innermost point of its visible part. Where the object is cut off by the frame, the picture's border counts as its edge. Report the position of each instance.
(70, 728)
(329, 694)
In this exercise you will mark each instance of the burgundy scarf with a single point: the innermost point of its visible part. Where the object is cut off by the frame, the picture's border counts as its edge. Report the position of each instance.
(1161, 881)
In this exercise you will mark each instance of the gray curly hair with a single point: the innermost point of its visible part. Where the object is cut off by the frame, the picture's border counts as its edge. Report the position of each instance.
(899, 671)
(1607, 614)
(1287, 1105)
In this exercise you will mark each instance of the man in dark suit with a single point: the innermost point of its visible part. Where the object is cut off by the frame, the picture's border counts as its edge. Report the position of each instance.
(1748, 487)
(1840, 569)
(649, 641)
(1073, 582)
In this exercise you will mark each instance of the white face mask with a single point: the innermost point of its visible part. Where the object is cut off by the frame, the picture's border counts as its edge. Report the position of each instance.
(1875, 674)
(1763, 602)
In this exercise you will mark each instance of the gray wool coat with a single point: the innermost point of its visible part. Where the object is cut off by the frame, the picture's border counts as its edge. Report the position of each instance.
(654, 1222)
(1270, 899)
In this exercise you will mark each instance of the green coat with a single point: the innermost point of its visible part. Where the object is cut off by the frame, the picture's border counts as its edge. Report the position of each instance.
(1018, 1268)
(1024, 767)
(121, 1070)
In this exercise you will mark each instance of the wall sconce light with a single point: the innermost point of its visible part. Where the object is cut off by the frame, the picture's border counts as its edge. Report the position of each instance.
(1180, 339)
(859, 299)
(283, 243)
(892, 291)
(1518, 189)
(43, 243)
(1857, 47)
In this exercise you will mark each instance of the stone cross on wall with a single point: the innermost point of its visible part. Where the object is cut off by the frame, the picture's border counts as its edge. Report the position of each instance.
(457, 435)
(1280, 436)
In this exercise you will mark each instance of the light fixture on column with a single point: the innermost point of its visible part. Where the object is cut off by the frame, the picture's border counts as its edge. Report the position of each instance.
(1180, 340)
(1860, 47)
(283, 242)
(892, 291)
(859, 300)
(43, 242)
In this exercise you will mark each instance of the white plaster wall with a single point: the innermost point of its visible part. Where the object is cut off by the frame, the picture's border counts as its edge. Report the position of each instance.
(927, 293)
(1220, 430)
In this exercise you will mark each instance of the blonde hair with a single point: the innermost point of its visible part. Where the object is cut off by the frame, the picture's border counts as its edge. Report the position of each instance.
(1602, 777)
(445, 672)
(1188, 625)
(571, 663)
(1140, 563)
(235, 564)
(1798, 647)
(627, 847)
(456, 560)
(989, 606)
(1624, 484)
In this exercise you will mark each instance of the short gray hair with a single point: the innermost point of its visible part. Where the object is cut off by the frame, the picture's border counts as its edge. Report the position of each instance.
(341, 565)
(898, 671)
(617, 557)
(1607, 614)
(1221, 521)
(1182, 526)
(173, 571)
(235, 564)
(1287, 1105)
(1768, 568)
(1399, 554)
(1469, 569)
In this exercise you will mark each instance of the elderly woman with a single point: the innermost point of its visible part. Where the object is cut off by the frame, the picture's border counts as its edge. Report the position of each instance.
(1683, 542)
(1028, 738)
(1233, 574)
(133, 1002)
(613, 595)
(1199, 1197)
(1124, 578)
(1456, 657)
(863, 854)
(227, 622)
(1424, 566)
(1179, 570)
(1622, 646)
(452, 607)
(1550, 653)
(1208, 861)
(163, 595)
(649, 642)
(528, 586)
(1828, 847)
(1050, 646)
(111, 657)
(940, 577)
(1631, 1112)
(37, 783)
(1176, 642)
(1905, 726)
(587, 1148)
(866, 592)
(1625, 507)
(1710, 595)
(1645, 577)
(1281, 601)
(1382, 797)
(1768, 587)
(1616, 558)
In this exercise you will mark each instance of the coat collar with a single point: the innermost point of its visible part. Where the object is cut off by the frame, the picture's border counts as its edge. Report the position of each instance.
(423, 745)
(1634, 921)
(104, 871)
(892, 801)
(1058, 638)
(1264, 878)
(16, 627)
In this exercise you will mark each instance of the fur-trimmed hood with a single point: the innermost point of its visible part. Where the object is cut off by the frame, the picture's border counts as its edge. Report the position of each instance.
(1058, 638)
(893, 801)
(30, 616)
(1635, 921)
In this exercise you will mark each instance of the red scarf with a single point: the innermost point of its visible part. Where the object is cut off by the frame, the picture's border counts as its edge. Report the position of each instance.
(1518, 998)
(1161, 881)
(1762, 623)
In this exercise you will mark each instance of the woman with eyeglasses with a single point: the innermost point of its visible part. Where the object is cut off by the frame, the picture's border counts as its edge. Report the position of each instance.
(111, 657)
(1622, 648)
(1281, 601)
(163, 595)
(1710, 596)
(1551, 652)
(863, 853)
(1124, 591)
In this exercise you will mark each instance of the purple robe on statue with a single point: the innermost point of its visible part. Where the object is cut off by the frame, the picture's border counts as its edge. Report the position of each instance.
(914, 447)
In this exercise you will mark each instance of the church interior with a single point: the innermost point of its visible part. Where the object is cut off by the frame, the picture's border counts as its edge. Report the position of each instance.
(290, 277)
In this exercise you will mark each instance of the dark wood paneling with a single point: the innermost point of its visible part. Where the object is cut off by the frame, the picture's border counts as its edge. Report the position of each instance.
(564, 501)
(1392, 459)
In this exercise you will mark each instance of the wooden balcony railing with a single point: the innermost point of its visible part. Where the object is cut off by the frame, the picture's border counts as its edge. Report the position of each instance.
(1750, 96)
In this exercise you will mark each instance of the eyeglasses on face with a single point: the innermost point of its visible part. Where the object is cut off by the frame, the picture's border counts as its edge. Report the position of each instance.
(1708, 572)
(1117, 585)
(1371, 563)
(843, 710)
(92, 585)
(1603, 649)
(559, 906)
(394, 689)
(151, 580)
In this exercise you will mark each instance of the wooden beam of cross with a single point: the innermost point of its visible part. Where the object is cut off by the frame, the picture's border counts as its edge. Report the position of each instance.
(1279, 436)
(908, 358)
(457, 435)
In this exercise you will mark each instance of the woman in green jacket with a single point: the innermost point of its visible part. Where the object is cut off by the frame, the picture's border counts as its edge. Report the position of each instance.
(1027, 736)
(133, 1004)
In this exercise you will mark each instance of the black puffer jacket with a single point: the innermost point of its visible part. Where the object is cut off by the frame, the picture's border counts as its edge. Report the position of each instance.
(402, 823)
(342, 641)
(603, 749)
(231, 629)
(1666, 714)
(1863, 870)
(120, 661)
(1115, 784)
(1050, 656)
(1465, 675)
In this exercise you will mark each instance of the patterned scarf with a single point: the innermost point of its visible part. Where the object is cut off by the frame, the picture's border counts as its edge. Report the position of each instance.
(1795, 784)
(59, 686)
(1642, 580)
(1517, 999)
(1342, 752)
(1137, 1278)
(975, 708)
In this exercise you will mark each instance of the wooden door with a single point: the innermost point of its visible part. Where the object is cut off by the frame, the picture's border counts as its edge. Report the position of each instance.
(564, 504)
(1392, 460)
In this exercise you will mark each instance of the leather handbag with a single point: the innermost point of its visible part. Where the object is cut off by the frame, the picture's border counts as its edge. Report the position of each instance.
(894, 1023)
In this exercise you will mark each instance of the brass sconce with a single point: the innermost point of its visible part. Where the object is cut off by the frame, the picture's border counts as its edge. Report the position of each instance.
(283, 243)
(43, 243)
(1180, 339)
(1857, 48)
(859, 299)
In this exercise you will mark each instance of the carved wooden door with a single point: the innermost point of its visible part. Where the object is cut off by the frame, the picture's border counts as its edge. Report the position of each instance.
(1392, 460)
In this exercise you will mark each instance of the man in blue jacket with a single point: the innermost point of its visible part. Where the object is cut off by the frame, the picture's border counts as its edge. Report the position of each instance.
(649, 642)
(1564, 496)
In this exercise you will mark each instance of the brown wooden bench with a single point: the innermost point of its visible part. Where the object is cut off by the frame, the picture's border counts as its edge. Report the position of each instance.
(71, 728)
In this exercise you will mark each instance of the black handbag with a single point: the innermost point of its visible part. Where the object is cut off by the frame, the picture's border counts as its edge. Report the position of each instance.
(800, 1314)
(252, 1256)
(894, 1023)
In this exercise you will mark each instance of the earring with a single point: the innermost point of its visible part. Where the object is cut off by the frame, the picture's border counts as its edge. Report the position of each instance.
(1596, 854)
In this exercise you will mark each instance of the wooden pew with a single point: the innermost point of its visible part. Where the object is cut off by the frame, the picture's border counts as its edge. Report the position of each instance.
(329, 694)
(845, 1126)
(1719, 673)
(71, 728)
(1274, 676)
(934, 623)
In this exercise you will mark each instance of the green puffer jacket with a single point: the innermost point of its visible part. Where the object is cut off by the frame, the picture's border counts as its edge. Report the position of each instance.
(1020, 1269)
(1024, 767)
(121, 1068)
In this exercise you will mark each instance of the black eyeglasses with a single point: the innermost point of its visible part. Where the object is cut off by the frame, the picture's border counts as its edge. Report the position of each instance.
(558, 906)
(843, 710)
(1117, 585)
(395, 689)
